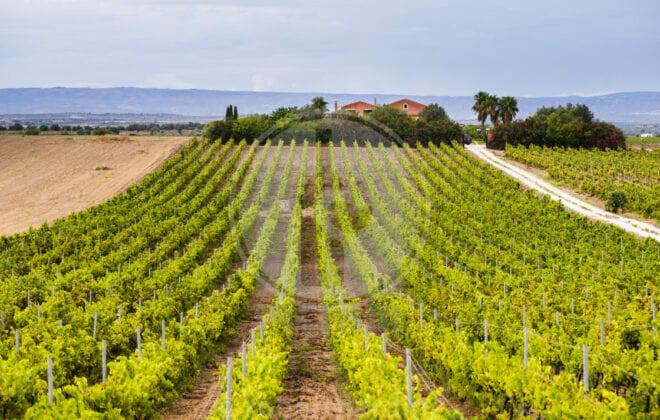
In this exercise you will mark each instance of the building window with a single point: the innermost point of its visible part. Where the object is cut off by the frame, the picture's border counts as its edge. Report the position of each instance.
(405, 106)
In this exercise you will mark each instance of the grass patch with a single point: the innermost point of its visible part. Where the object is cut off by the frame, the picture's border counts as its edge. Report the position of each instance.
(103, 168)
(639, 140)
(110, 138)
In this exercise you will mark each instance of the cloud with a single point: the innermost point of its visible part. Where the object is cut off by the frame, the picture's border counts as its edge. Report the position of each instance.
(425, 47)
(167, 81)
(261, 82)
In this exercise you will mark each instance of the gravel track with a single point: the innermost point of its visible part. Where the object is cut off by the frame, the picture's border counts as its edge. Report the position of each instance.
(639, 228)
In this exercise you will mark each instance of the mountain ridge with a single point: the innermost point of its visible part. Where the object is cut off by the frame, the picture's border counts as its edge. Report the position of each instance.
(628, 107)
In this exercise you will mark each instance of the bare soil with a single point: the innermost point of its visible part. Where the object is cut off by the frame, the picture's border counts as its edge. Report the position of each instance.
(43, 178)
(356, 288)
(199, 401)
(202, 398)
(312, 387)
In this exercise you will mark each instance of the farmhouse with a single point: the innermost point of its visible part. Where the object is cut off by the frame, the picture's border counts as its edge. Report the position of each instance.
(359, 107)
(410, 107)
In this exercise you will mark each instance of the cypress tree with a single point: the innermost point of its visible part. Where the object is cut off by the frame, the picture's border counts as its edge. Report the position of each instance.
(235, 112)
(228, 114)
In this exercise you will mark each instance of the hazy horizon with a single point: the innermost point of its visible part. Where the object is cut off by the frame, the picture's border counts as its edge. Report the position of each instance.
(597, 94)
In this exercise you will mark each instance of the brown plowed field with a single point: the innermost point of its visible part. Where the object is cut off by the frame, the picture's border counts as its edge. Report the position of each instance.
(43, 178)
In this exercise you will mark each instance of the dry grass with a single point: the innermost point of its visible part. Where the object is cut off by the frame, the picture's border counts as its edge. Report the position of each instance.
(43, 178)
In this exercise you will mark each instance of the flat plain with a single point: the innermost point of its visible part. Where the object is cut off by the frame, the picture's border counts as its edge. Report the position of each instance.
(43, 178)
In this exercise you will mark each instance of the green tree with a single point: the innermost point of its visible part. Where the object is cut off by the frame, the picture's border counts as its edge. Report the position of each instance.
(566, 114)
(480, 100)
(616, 200)
(492, 106)
(218, 130)
(395, 119)
(229, 113)
(433, 112)
(508, 108)
(436, 132)
(583, 113)
(320, 104)
(314, 111)
(250, 127)
(101, 131)
(560, 126)
(235, 113)
(31, 131)
(283, 112)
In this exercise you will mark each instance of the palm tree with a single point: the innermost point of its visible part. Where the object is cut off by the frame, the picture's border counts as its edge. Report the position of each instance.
(508, 108)
(479, 107)
(320, 104)
(492, 107)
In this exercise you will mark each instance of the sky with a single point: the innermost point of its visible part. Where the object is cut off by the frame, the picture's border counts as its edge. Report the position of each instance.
(441, 47)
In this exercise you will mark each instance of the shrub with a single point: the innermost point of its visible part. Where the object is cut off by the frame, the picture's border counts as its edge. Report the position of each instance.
(249, 128)
(570, 126)
(395, 119)
(616, 200)
(439, 131)
(101, 131)
(31, 131)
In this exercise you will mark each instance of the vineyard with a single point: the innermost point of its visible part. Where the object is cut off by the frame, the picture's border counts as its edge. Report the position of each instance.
(444, 289)
(634, 172)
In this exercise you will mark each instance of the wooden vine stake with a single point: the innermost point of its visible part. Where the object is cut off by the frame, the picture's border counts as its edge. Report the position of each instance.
(104, 360)
(421, 317)
(409, 376)
(229, 372)
(50, 380)
(96, 319)
(526, 347)
(585, 366)
(486, 335)
(162, 333)
(253, 341)
(139, 343)
(244, 359)
(655, 329)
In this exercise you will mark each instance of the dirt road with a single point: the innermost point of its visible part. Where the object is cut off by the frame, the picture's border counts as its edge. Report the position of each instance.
(569, 201)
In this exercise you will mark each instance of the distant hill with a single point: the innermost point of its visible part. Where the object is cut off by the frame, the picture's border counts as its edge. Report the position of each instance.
(626, 107)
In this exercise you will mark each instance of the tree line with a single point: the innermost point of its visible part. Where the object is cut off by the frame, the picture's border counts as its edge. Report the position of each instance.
(153, 128)
(565, 126)
(561, 126)
(433, 124)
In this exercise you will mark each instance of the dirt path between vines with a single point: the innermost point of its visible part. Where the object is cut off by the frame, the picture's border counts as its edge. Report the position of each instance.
(569, 201)
(356, 288)
(312, 387)
(199, 401)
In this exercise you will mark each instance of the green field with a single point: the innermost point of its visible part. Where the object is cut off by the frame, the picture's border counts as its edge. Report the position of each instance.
(635, 172)
(636, 140)
(499, 295)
